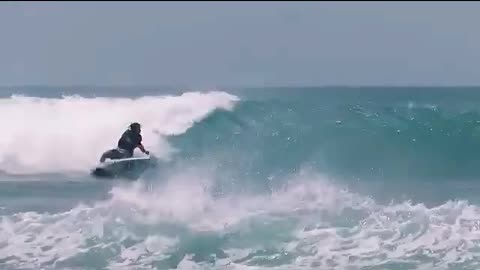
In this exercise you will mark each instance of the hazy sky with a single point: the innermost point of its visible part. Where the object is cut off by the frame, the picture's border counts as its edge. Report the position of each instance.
(240, 43)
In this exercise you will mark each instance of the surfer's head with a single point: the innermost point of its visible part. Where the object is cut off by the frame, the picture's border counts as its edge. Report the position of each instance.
(135, 127)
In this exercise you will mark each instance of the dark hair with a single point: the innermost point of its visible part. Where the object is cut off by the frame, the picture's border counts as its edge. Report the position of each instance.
(134, 126)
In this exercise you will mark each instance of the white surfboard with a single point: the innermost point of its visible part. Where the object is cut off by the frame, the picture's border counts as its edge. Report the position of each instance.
(123, 160)
(127, 167)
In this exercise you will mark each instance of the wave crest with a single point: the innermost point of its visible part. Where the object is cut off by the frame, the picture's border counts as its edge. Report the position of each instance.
(44, 135)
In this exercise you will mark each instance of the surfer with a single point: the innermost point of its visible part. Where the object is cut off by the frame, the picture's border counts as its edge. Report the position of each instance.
(130, 140)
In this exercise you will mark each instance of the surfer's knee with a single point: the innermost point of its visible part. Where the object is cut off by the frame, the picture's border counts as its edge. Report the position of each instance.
(104, 156)
(109, 154)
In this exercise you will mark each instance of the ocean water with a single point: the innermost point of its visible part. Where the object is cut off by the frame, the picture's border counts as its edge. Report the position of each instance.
(272, 178)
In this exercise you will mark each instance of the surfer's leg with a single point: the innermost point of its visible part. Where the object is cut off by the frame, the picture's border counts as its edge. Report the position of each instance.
(104, 156)
(122, 153)
(111, 154)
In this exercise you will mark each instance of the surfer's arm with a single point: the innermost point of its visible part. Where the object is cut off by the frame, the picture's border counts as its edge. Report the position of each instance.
(143, 149)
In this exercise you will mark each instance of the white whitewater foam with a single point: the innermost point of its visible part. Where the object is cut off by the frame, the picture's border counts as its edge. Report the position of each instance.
(43, 135)
(332, 229)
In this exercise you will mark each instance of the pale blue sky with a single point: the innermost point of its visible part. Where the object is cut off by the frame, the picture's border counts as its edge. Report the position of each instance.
(240, 43)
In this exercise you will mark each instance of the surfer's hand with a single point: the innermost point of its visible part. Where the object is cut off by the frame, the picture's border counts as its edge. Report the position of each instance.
(147, 152)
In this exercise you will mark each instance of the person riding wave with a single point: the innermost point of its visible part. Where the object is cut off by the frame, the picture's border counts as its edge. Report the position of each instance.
(130, 140)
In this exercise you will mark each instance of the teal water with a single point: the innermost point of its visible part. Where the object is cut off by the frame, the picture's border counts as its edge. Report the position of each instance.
(279, 178)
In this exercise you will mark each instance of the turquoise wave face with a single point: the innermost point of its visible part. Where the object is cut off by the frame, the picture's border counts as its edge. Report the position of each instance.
(353, 135)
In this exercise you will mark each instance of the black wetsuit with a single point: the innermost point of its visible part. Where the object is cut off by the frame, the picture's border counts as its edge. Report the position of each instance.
(126, 145)
(129, 141)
